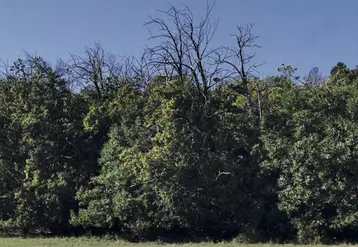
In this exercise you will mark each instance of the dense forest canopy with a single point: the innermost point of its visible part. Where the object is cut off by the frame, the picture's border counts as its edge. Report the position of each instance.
(184, 142)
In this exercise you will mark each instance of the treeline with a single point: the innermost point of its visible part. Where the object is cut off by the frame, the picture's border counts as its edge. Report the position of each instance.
(184, 143)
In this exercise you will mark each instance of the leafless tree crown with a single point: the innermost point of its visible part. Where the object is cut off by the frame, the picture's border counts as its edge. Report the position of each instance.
(185, 49)
(104, 70)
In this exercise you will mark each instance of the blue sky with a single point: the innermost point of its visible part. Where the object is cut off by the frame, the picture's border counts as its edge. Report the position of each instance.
(303, 33)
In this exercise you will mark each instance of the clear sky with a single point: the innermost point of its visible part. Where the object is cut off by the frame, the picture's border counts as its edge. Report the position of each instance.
(302, 33)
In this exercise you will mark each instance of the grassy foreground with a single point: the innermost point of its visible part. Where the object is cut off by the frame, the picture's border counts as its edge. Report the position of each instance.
(93, 242)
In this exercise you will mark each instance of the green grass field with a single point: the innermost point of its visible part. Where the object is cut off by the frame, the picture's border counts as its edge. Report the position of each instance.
(92, 242)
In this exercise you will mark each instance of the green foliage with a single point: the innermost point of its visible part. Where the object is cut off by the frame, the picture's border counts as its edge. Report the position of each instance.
(250, 160)
(313, 146)
(48, 146)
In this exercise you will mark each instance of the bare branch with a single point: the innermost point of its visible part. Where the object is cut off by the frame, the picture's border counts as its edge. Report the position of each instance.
(184, 49)
(104, 71)
(237, 57)
(222, 173)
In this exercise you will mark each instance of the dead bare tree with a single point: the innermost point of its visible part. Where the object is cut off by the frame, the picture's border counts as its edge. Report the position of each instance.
(105, 71)
(91, 68)
(314, 77)
(185, 47)
(240, 62)
(137, 70)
